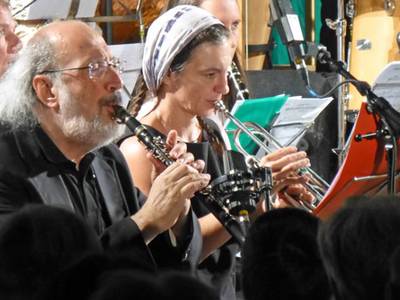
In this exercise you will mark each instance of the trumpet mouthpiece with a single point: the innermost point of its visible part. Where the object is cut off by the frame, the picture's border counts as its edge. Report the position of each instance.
(219, 105)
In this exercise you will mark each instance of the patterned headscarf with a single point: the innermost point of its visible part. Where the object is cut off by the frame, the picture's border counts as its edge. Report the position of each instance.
(167, 36)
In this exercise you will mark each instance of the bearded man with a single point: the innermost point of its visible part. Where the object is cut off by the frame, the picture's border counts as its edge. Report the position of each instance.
(57, 107)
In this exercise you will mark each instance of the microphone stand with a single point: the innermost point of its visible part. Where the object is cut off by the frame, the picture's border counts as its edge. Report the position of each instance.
(390, 118)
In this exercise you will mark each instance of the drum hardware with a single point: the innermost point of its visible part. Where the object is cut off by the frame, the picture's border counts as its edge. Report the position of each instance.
(340, 25)
(317, 185)
(350, 9)
(230, 197)
(333, 25)
(363, 44)
(390, 7)
(340, 41)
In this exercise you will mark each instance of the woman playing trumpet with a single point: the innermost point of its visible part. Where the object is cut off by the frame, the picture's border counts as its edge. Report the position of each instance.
(186, 59)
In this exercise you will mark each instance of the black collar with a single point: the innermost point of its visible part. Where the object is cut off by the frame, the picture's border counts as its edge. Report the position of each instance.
(53, 154)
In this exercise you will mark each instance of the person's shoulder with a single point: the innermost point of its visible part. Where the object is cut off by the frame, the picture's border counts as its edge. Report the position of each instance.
(12, 144)
(110, 151)
(131, 148)
(8, 143)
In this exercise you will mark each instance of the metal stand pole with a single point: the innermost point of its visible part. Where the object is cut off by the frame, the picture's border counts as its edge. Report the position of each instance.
(340, 41)
(108, 26)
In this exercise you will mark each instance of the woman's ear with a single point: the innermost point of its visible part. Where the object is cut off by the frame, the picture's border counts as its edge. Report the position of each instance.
(169, 81)
(45, 90)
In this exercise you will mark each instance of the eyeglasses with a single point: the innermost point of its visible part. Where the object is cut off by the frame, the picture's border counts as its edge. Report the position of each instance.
(96, 69)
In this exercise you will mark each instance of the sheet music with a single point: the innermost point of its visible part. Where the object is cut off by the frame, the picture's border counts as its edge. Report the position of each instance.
(301, 110)
(295, 117)
(387, 84)
(87, 8)
(390, 74)
(52, 9)
(132, 55)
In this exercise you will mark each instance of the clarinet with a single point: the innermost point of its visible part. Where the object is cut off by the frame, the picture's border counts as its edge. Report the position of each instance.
(242, 93)
(157, 147)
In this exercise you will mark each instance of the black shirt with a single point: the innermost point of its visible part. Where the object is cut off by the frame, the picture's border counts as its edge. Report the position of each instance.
(33, 170)
(80, 182)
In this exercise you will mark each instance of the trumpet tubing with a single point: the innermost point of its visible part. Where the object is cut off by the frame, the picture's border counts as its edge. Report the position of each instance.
(317, 185)
(230, 197)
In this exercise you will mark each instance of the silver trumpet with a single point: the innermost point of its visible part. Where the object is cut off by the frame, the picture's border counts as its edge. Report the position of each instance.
(317, 186)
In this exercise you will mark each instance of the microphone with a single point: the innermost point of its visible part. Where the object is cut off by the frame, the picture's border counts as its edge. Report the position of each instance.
(289, 29)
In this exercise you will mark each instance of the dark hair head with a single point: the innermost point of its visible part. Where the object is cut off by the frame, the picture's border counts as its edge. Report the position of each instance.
(130, 284)
(127, 284)
(214, 34)
(356, 244)
(179, 285)
(37, 242)
(281, 258)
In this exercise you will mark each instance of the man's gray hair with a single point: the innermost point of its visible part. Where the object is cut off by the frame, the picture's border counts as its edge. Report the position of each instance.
(17, 96)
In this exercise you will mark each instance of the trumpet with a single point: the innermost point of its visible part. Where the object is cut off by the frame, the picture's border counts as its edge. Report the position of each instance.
(317, 186)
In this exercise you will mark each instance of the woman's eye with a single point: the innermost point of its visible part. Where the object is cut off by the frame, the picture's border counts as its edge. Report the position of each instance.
(210, 75)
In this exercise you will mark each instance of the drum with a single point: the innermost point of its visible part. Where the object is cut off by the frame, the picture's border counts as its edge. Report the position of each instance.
(363, 171)
(374, 41)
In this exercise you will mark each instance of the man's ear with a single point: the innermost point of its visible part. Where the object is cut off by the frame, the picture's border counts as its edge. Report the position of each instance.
(45, 91)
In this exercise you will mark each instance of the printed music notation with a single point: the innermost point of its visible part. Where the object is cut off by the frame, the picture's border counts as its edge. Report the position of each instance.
(295, 117)
(387, 84)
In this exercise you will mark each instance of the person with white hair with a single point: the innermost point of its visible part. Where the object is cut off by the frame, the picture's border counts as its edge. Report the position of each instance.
(57, 105)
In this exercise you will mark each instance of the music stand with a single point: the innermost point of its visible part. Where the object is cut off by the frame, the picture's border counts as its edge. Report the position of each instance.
(296, 116)
(260, 111)
(365, 168)
(53, 10)
(132, 56)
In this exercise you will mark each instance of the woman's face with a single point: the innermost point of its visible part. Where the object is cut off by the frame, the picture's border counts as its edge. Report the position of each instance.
(227, 11)
(203, 79)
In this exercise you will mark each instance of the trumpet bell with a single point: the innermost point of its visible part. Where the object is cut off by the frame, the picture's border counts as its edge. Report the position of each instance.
(317, 186)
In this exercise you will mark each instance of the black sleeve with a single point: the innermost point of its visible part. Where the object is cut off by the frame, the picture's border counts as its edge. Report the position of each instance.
(124, 238)
(185, 255)
(166, 255)
(12, 196)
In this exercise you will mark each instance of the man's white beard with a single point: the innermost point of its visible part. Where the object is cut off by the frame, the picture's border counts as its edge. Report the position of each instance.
(94, 133)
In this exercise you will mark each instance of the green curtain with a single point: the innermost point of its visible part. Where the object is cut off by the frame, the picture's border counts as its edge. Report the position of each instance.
(279, 54)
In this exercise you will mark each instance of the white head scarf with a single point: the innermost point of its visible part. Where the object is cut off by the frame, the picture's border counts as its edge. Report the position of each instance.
(167, 36)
